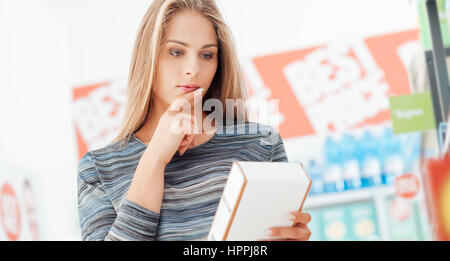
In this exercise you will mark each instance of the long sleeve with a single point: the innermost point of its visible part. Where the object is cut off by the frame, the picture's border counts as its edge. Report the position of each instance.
(278, 150)
(98, 218)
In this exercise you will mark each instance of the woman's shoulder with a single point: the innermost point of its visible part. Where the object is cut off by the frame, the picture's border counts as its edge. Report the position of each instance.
(110, 154)
(249, 128)
(261, 141)
(264, 133)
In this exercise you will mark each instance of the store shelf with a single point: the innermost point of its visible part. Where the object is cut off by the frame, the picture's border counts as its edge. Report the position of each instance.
(377, 195)
(345, 197)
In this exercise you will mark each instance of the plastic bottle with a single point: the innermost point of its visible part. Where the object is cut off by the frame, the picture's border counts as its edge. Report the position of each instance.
(410, 151)
(371, 165)
(333, 178)
(393, 163)
(351, 167)
(315, 173)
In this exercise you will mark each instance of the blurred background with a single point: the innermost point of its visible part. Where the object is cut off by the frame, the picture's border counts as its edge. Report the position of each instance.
(335, 67)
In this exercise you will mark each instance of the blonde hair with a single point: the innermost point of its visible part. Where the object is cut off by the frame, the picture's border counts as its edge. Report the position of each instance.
(228, 82)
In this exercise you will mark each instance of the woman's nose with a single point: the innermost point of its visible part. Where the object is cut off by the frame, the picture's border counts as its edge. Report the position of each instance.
(192, 67)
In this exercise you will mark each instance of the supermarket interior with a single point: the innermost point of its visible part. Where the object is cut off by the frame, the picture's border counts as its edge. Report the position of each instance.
(362, 90)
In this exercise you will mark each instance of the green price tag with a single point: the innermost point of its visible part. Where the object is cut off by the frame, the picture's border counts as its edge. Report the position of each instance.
(412, 112)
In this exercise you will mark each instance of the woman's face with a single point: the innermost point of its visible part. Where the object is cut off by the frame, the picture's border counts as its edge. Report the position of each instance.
(188, 56)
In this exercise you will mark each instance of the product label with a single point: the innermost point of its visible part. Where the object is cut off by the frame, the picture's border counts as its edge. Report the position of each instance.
(413, 112)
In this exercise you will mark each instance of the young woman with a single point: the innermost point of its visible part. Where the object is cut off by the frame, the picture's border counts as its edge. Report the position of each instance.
(162, 180)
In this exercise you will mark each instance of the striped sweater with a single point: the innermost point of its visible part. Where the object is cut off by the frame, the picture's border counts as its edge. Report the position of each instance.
(193, 185)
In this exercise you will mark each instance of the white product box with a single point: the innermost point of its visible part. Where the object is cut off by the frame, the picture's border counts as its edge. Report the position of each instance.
(257, 196)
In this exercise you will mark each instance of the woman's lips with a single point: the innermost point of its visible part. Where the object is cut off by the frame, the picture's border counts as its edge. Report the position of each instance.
(188, 88)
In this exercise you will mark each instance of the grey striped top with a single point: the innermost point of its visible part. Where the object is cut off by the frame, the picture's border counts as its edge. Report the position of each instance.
(193, 185)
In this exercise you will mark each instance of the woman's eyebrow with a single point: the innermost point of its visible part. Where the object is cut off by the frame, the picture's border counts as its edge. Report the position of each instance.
(187, 45)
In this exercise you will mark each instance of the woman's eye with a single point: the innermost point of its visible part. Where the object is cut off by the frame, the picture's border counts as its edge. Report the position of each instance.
(176, 53)
(208, 56)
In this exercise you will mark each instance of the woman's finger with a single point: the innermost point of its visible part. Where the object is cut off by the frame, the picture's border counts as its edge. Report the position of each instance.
(187, 140)
(181, 150)
(298, 233)
(277, 239)
(183, 103)
(181, 124)
(187, 143)
(300, 217)
(184, 142)
(194, 141)
(190, 139)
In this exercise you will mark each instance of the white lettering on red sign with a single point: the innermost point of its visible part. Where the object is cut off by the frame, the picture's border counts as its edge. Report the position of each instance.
(333, 83)
(98, 116)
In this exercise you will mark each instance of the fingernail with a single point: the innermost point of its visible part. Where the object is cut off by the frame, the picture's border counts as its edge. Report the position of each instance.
(291, 217)
(268, 232)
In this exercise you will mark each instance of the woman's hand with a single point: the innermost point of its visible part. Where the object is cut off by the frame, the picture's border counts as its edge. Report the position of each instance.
(169, 137)
(298, 232)
(147, 186)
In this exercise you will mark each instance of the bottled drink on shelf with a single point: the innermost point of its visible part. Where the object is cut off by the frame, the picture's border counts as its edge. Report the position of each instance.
(350, 152)
(371, 165)
(315, 173)
(333, 176)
